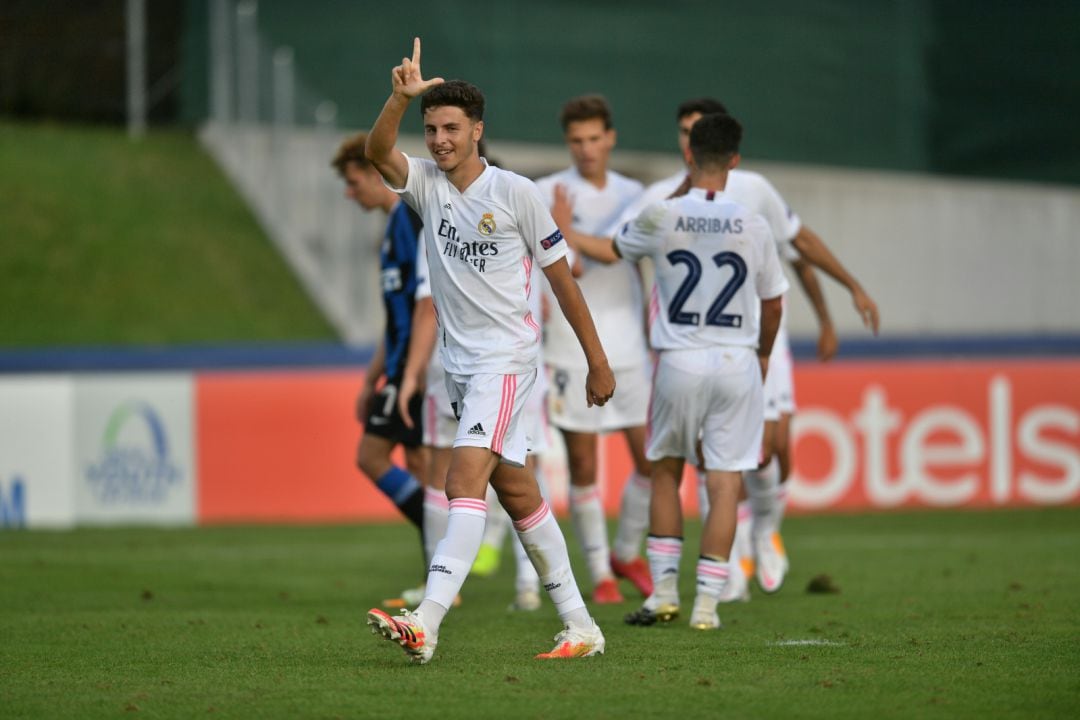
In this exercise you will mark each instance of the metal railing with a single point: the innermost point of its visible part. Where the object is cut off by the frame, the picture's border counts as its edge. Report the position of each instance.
(274, 139)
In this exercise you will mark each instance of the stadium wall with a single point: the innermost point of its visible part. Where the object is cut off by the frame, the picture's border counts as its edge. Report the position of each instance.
(274, 445)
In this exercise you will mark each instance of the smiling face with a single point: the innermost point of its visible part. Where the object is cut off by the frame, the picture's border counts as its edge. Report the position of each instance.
(451, 136)
(590, 146)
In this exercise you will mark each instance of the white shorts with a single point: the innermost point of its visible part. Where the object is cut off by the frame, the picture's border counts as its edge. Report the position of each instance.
(491, 412)
(780, 380)
(714, 394)
(440, 425)
(568, 410)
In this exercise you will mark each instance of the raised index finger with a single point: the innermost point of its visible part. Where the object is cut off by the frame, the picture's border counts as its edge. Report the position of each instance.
(416, 51)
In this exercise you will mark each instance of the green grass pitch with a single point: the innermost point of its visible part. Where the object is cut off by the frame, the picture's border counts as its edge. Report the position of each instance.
(939, 615)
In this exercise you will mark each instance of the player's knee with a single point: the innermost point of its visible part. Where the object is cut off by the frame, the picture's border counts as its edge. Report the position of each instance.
(582, 466)
(371, 462)
(459, 485)
(416, 461)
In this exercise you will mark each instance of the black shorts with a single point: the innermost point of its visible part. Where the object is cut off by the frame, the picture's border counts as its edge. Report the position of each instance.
(385, 421)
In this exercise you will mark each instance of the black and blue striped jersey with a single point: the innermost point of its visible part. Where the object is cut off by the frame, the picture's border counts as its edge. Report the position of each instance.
(397, 264)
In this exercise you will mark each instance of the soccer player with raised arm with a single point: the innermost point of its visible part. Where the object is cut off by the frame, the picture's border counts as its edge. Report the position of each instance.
(719, 288)
(599, 197)
(483, 229)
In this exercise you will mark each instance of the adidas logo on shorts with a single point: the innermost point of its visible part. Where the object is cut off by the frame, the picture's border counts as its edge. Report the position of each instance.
(477, 429)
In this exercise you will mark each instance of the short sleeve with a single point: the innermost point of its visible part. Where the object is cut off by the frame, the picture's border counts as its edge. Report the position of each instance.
(783, 221)
(417, 183)
(537, 228)
(770, 281)
(638, 238)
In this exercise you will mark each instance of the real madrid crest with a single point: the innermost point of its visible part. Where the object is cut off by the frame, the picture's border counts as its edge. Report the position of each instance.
(487, 224)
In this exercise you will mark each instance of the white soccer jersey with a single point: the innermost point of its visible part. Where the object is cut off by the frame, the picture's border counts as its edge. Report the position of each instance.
(749, 189)
(612, 292)
(480, 247)
(714, 261)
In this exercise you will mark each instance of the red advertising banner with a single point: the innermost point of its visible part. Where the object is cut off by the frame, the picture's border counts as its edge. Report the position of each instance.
(968, 433)
(280, 446)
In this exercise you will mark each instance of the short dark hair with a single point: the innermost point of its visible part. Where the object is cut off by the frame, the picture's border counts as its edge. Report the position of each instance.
(455, 93)
(351, 151)
(714, 139)
(705, 106)
(586, 107)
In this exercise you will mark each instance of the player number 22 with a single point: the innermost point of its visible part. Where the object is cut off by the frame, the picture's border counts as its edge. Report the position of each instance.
(716, 314)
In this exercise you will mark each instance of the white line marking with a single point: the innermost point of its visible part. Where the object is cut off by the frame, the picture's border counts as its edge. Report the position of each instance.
(812, 641)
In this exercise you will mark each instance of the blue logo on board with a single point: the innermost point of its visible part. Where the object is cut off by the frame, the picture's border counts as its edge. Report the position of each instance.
(13, 503)
(135, 467)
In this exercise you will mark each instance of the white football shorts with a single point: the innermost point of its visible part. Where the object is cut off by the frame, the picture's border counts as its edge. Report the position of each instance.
(440, 425)
(568, 409)
(491, 412)
(714, 394)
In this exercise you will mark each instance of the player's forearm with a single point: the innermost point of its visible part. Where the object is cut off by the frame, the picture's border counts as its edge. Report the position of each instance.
(811, 247)
(422, 340)
(596, 248)
(381, 141)
(771, 310)
(576, 312)
(377, 367)
(807, 278)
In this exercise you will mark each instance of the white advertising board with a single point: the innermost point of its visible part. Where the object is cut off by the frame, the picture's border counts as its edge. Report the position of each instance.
(134, 449)
(36, 464)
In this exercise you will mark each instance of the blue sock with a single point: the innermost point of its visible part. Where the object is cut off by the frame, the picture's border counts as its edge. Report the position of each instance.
(405, 492)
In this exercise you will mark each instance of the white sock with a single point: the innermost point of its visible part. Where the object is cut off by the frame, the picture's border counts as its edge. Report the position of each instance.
(633, 517)
(498, 522)
(702, 495)
(543, 541)
(742, 548)
(436, 510)
(663, 554)
(762, 486)
(453, 557)
(712, 576)
(588, 514)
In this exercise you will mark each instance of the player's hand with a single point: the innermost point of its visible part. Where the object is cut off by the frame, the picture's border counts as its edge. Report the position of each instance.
(363, 402)
(827, 343)
(763, 363)
(599, 385)
(409, 387)
(562, 210)
(407, 79)
(867, 309)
